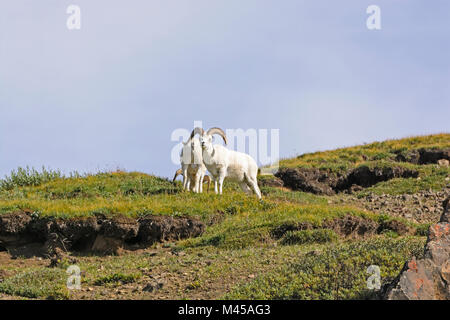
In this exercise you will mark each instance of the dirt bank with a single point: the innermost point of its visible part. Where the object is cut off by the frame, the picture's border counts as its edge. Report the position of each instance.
(23, 234)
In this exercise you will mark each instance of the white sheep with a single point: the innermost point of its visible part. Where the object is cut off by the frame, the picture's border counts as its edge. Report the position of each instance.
(192, 167)
(222, 162)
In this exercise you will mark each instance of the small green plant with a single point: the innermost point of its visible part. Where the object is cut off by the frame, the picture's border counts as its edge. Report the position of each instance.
(118, 278)
(29, 177)
(422, 230)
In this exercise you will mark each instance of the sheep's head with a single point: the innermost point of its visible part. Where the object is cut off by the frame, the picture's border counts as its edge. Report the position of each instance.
(191, 152)
(206, 136)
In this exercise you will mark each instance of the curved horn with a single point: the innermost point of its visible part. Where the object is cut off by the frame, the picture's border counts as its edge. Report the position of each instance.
(196, 130)
(218, 131)
(179, 171)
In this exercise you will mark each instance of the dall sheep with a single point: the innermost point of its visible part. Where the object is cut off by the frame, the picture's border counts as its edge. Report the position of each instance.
(193, 169)
(222, 162)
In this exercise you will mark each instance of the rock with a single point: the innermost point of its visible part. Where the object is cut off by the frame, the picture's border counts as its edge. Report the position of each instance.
(427, 278)
(154, 285)
(446, 216)
(443, 162)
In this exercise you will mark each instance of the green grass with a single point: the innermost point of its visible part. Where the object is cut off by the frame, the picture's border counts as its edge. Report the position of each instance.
(309, 236)
(350, 157)
(37, 283)
(431, 177)
(336, 272)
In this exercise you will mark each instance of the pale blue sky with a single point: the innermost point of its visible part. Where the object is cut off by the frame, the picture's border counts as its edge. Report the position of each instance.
(110, 95)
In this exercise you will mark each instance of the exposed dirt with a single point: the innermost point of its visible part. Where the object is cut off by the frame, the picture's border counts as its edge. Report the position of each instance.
(347, 227)
(353, 227)
(423, 156)
(22, 234)
(271, 181)
(309, 180)
(365, 177)
(323, 182)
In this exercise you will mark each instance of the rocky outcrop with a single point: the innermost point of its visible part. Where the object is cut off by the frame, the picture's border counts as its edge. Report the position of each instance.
(428, 278)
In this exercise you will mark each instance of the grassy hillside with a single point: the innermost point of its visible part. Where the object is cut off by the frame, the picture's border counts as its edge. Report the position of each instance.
(382, 154)
(291, 245)
(350, 157)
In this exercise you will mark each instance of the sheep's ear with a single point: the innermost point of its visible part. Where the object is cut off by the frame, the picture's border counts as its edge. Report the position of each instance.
(218, 131)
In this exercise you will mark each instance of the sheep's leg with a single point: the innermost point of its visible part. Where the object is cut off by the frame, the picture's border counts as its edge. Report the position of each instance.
(221, 178)
(220, 185)
(215, 185)
(185, 180)
(200, 183)
(254, 184)
(188, 185)
(197, 182)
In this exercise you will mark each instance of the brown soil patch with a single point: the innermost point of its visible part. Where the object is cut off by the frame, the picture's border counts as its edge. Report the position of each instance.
(324, 182)
(423, 156)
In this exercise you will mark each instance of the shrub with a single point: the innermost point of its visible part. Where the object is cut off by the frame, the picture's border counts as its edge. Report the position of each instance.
(29, 177)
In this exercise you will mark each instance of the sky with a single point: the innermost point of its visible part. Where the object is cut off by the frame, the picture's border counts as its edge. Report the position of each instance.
(111, 94)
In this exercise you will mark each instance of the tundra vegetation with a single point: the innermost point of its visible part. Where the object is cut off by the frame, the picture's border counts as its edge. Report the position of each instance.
(291, 245)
